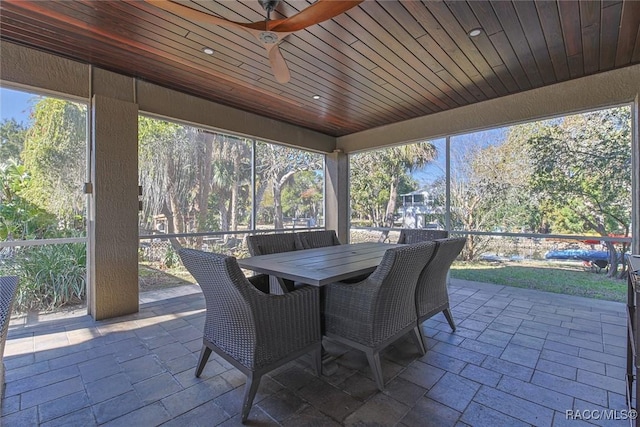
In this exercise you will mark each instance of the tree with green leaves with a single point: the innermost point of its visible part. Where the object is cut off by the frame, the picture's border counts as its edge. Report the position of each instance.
(393, 167)
(582, 174)
(276, 166)
(12, 135)
(20, 219)
(54, 154)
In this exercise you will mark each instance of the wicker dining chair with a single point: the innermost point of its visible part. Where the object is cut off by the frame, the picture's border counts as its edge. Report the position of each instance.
(415, 235)
(375, 312)
(254, 331)
(432, 296)
(265, 244)
(317, 239)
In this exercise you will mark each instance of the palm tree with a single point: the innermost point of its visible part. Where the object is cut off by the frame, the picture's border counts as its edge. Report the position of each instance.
(397, 162)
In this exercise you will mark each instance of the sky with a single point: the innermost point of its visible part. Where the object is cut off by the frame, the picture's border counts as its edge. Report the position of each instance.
(15, 104)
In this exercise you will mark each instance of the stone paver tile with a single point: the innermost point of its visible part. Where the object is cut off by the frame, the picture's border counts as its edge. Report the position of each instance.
(231, 401)
(514, 406)
(449, 338)
(257, 417)
(572, 388)
(293, 378)
(18, 373)
(29, 383)
(156, 388)
(474, 325)
(51, 392)
(116, 407)
(532, 332)
(208, 414)
(171, 351)
(596, 338)
(460, 353)
(481, 375)
(504, 328)
(81, 417)
(194, 396)
(404, 391)
(422, 374)
(27, 417)
(282, 405)
(554, 399)
(453, 391)
(70, 359)
(339, 405)
(443, 361)
(478, 415)
(101, 367)
(599, 356)
(574, 361)
(527, 341)
(565, 419)
(310, 417)
(494, 337)
(609, 417)
(359, 386)
(154, 414)
(482, 347)
(141, 368)
(106, 388)
(390, 370)
(616, 385)
(560, 347)
(521, 355)
(381, 410)
(508, 368)
(429, 413)
(62, 406)
(558, 369)
(578, 342)
(10, 405)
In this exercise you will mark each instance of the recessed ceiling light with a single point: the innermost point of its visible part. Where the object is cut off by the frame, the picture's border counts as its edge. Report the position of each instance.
(316, 96)
(208, 51)
(475, 32)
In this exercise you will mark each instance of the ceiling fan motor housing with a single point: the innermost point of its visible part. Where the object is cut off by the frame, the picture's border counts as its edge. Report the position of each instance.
(269, 6)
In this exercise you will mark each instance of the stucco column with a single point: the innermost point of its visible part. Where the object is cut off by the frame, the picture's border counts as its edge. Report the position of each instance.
(635, 179)
(113, 215)
(337, 194)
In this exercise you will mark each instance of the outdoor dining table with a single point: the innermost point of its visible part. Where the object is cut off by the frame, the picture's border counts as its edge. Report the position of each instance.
(320, 266)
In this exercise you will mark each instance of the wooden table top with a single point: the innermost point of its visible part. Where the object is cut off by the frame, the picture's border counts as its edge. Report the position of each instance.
(320, 266)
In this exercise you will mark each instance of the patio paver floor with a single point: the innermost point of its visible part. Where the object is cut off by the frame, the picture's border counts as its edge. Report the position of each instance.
(519, 357)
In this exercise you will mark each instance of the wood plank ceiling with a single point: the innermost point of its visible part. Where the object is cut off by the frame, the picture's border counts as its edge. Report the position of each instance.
(379, 63)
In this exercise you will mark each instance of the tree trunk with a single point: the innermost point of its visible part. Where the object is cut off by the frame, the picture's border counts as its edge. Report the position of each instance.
(391, 208)
(278, 219)
(613, 260)
(204, 183)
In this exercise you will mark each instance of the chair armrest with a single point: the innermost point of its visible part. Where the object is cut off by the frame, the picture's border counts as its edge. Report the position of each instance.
(286, 323)
(349, 309)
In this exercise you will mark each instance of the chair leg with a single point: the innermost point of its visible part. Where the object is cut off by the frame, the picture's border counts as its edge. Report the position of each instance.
(250, 389)
(316, 359)
(204, 358)
(449, 316)
(417, 337)
(376, 368)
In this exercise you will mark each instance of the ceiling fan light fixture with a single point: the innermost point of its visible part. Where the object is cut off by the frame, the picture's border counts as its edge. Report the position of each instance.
(316, 96)
(208, 50)
(268, 37)
(475, 32)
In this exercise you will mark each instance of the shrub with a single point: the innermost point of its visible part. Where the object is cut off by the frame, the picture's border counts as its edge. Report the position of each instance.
(51, 276)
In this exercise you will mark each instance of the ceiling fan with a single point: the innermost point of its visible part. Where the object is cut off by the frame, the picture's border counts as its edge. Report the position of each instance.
(268, 32)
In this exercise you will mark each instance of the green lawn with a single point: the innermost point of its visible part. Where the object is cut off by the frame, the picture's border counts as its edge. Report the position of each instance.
(563, 278)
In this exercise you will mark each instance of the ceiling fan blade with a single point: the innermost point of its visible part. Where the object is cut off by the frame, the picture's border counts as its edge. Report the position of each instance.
(278, 64)
(196, 15)
(319, 11)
